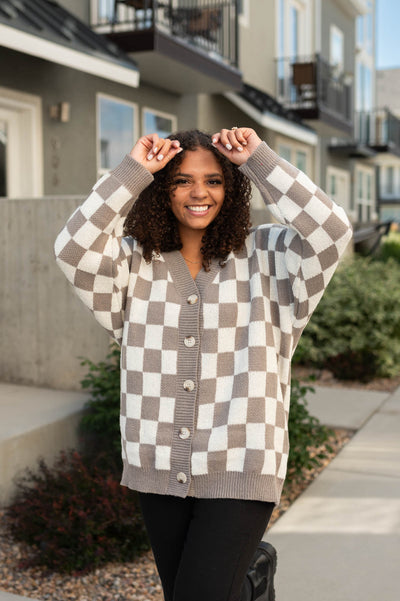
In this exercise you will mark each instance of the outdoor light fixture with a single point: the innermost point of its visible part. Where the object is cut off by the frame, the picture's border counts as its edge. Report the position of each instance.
(60, 112)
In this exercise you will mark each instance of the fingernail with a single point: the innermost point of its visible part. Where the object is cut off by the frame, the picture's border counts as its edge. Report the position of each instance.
(228, 146)
(239, 148)
(244, 143)
(156, 148)
(160, 157)
(179, 150)
(214, 140)
(149, 157)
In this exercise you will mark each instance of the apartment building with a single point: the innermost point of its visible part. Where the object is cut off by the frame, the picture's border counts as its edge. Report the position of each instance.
(388, 159)
(81, 80)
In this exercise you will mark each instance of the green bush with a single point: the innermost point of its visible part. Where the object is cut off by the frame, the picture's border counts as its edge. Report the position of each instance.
(355, 330)
(100, 423)
(305, 433)
(76, 515)
(390, 247)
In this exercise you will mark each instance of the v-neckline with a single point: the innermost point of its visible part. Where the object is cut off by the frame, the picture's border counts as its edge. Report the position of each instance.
(182, 277)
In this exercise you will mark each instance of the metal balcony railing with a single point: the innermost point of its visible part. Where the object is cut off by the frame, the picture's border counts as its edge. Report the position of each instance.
(309, 84)
(209, 25)
(379, 129)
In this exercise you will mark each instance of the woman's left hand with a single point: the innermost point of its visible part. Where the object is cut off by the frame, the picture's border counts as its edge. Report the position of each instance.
(236, 144)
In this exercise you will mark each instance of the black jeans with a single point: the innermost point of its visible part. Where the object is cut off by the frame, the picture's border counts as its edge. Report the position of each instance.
(203, 547)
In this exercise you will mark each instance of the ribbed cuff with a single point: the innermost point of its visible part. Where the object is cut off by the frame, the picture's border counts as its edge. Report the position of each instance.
(260, 163)
(132, 175)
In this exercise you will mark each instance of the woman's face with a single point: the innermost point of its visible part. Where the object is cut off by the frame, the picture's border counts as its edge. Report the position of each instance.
(198, 190)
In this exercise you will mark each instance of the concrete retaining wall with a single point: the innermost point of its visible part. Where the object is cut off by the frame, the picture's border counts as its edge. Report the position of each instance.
(44, 326)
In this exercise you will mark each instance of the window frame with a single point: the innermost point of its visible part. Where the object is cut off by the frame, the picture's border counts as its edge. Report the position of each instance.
(363, 205)
(99, 95)
(335, 30)
(296, 147)
(341, 174)
(158, 113)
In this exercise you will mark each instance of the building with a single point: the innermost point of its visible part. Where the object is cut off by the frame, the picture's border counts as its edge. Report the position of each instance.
(388, 99)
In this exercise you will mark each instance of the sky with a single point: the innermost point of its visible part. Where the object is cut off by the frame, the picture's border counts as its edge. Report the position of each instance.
(387, 34)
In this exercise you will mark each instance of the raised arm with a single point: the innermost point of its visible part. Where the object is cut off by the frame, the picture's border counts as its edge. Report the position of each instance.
(91, 250)
(317, 229)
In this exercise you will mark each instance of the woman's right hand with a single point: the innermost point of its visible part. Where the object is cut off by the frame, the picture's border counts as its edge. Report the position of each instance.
(154, 152)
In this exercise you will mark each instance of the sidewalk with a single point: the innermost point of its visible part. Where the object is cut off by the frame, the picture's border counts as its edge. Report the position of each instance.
(340, 541)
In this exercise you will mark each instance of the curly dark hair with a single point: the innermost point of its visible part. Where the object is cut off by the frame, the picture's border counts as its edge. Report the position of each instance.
(152, 223)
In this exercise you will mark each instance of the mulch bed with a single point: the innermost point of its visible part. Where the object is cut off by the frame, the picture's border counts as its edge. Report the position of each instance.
(136, 581)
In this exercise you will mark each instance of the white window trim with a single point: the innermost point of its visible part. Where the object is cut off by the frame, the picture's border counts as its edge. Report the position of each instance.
(340, 173)
(305, 27)
(244, 17)
(334, 29)
(159, 114)
(30, 159)
(101, 171)
(364, 201)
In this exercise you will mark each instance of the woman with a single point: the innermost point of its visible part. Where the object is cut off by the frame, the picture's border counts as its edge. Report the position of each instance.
(208, 314)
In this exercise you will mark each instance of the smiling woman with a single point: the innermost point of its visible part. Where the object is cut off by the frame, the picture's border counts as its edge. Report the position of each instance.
(208, 313)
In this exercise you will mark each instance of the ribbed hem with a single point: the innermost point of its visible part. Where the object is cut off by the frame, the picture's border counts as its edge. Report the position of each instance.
(224, 485)
(132, 175)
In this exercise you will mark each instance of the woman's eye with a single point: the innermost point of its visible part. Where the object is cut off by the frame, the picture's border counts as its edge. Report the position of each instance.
(180, 181)
(215, 182)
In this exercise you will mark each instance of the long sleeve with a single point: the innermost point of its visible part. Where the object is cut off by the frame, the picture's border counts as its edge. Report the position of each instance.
(91, 250)
(316, 234)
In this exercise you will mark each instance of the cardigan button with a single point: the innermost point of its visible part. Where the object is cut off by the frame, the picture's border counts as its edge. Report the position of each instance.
(188, 385)
(181, 477)
(184, 433)
(189, 341)
(192, 299)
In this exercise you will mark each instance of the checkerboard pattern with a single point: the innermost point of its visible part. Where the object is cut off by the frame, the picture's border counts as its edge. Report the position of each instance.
(205, 363)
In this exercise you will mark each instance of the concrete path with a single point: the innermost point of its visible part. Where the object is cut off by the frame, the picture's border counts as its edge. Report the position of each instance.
(340, 541)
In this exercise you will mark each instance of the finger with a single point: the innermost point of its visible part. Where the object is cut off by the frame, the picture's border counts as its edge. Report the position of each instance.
(240, 136)
(164, 146)
(155, 146)
(233, 141)
(224, 139)
(216, 137)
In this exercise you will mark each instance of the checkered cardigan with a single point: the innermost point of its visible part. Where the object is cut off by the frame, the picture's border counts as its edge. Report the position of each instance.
(205, 363)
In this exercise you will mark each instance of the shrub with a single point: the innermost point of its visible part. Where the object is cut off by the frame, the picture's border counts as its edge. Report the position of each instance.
(305, 433)
(355, 330)
(76, 515)
(100, 424)
(390, 247)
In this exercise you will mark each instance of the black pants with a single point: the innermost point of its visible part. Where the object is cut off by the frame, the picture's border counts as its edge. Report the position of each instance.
(203, 547)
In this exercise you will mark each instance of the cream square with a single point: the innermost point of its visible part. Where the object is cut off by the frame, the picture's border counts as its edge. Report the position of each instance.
(134, 406)
(235, 460)
(169, 362)
(163, 458)
(208, 366)
(255, 436)
(151, 384)
(148, 431)
(280, 179)
(269, 466)
(132, 453)
(205, 416)
(237, 411)
(199, 463)
(218, 440)
(167, 410)
(153, 337)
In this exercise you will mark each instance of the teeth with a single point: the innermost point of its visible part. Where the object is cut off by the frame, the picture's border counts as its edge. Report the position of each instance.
(198, 209)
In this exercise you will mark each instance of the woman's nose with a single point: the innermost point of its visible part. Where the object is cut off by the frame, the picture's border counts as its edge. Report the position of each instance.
(199, 191)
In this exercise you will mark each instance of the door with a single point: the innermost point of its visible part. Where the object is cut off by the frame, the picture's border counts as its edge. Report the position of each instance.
(10, 135)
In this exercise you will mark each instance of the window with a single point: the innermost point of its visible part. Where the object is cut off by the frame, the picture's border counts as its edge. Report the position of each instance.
(285, 152)
(117, 131)
(243, 12)
(295, 154)
(338, 186)
(389, 180)
(153, 121)
(364, 194)
(336, 48)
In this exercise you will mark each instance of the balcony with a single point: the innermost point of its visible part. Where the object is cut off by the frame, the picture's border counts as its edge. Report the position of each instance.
(314, 89)
(379, 129)
(182, 46)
